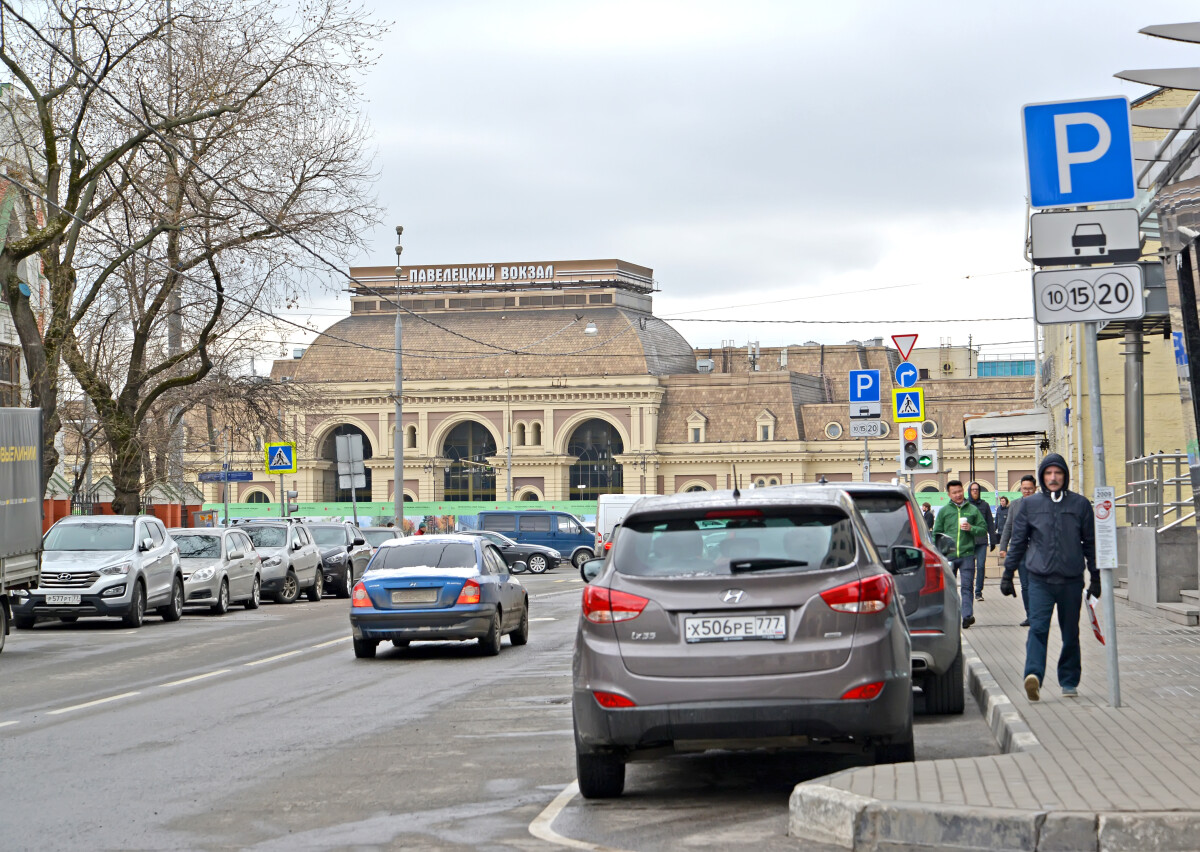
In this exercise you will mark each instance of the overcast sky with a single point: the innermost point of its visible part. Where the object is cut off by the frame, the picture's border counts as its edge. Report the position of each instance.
(815, 161)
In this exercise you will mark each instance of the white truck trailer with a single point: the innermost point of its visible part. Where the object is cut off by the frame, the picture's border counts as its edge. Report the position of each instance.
(20, 506)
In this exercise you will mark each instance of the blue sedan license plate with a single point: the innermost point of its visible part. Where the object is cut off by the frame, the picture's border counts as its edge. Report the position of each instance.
(415, 596)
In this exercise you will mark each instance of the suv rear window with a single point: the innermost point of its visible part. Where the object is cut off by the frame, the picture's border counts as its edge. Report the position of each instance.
(887, 520)
(426, 554)
(713, 542)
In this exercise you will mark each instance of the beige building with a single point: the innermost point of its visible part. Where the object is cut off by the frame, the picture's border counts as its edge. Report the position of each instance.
(566, 363)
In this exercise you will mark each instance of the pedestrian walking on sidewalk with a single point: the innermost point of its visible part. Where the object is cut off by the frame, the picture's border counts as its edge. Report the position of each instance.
(1000, 518)
(983, 540)
(962, 522)
(1055, 534)
(1028, 486)
(927, 514)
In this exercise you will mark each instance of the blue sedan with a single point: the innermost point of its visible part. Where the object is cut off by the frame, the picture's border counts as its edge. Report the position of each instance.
(437, 587)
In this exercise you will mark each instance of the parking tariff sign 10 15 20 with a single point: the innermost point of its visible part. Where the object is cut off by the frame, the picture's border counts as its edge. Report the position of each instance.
(1097, 294)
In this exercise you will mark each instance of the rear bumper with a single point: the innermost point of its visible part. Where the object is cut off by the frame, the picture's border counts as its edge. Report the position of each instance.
(464, 623)
(742, 722)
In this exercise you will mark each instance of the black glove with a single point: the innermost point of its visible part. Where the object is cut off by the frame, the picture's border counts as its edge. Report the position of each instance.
(1006, 586)
(993, 547)
(1094, 588)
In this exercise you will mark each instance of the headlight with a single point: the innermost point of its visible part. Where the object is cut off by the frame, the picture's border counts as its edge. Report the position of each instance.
(204, 574)
(556, 554)
(115, 591)
(336, 559)
(119, 568)
(272, 561)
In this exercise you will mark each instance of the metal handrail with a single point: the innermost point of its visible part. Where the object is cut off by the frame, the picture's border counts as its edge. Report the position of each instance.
(1148, 479)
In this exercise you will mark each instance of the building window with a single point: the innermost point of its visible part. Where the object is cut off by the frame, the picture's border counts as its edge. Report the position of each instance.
(833, 430)
(535, 434)
(519, 436)
(10, 376)
(695, 434)
(334, 493)
(765, 433)
(595, 445)
(469, 476)
(258, 497)
(997, 369)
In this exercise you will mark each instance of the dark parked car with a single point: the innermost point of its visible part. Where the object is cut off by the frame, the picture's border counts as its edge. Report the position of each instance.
(932, 606)
(376, 536)
(539, 559)
(761, 620)
(344, 554)
(438, 587)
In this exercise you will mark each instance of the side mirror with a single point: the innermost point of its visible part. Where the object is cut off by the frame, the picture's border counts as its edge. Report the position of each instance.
(147, 544)
(518, 567)
(296, 545)
(945, 545)
(907, 560)
(591, 569)
(359, 542)
(236, 554)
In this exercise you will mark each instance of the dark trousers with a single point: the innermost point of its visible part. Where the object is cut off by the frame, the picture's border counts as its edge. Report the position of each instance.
(1044, 598)
(981, 551)
(964, 568)
(1023, 573)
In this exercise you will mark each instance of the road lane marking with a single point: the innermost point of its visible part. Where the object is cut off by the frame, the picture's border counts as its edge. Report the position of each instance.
(544, 618)
(194, 678)
(542, 825)
(6, 724)
(332, 642)
(92, 703)
(271, 659)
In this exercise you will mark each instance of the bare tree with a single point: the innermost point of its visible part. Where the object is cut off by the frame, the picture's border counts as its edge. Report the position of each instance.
(177, 166)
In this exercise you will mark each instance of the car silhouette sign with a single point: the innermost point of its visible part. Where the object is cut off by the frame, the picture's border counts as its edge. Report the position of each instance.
(1081, 238)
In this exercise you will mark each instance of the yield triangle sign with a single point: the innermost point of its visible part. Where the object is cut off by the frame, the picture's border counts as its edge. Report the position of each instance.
(281, 458)
(905, 343)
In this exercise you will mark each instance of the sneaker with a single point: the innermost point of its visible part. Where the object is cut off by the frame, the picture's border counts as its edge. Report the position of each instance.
(968, 621)
(1024, 623)
(979, 596)
(1032, 687)
(1070, 692)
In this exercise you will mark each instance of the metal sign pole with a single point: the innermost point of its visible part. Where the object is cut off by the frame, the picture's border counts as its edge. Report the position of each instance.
(283, 512)
(1108, 600)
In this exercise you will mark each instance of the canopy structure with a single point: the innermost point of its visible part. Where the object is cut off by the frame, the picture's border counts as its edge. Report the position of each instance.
(1023, 427)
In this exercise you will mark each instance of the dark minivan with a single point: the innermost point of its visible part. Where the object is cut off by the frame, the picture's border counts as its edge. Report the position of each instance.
(560, 531)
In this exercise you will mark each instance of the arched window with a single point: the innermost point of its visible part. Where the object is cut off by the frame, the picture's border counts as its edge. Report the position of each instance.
(410, 437)
(594, 444)
(469, 476)
(535, 434)
(695, 488)
(258, 497)
(519, 435)
(529, 496)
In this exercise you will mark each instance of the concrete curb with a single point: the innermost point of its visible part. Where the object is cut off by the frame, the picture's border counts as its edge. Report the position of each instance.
(820, 813)
(1008, 726)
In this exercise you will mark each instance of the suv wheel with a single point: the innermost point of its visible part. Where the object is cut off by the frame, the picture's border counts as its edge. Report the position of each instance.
(290, 589)
(222, 605)
(137, 608)
(489, 645)
(944, 693)
(24, 622)
(174, 610)
(347, 582)
(581, 556)
(365, 649)
(537, 564)
(601, 776)
(317, 588)
(255, 594)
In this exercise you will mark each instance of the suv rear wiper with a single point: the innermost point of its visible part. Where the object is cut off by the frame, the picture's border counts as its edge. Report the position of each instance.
(741, 566)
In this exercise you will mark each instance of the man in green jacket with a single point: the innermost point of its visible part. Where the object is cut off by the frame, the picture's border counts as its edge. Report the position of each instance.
(962, 522)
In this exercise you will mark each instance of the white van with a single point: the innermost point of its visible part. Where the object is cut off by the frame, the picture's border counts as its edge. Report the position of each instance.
(610, 509)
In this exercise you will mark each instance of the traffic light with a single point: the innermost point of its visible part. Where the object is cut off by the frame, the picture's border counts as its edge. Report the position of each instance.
(928, 461)
(910, 449)
(292, 508)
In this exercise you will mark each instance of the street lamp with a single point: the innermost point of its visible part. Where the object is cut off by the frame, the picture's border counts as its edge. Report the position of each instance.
(508, 429)
(398, 432)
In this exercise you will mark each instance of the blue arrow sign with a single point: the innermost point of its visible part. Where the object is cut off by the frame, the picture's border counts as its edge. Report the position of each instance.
(1078, 152)
(906, 374)
(864, 386)
(227, 476)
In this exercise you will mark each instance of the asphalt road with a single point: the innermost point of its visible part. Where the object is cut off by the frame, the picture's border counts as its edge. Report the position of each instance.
(260, 730)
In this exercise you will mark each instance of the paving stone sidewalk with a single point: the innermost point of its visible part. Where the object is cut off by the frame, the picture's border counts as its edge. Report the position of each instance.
(1079, 774)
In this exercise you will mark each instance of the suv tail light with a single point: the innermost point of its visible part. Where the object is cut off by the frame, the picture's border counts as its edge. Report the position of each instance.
(612, 700)
(470, 593)
(870, 594)
(865, 692)
(605, 606)
(935, 579)
(360, 596)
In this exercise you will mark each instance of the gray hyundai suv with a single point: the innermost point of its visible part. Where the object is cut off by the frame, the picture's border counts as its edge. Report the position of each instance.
(105, 565)
(765, 619)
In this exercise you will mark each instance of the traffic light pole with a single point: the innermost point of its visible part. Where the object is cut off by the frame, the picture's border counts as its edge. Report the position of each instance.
(866, 459)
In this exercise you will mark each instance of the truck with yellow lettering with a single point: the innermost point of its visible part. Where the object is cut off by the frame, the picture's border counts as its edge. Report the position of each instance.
(20, 507)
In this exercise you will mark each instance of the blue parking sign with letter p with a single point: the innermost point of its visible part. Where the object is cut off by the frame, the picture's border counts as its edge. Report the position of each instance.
(864, 386)
(1079, 152)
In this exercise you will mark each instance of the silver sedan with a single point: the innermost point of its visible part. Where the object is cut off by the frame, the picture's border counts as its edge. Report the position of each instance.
(220, 568)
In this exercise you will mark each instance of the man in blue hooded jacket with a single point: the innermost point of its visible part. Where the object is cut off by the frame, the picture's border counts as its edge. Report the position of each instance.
(1055, 533)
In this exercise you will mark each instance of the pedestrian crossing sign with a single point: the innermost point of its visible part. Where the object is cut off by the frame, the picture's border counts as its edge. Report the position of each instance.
(281, 457)
(908, 405)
